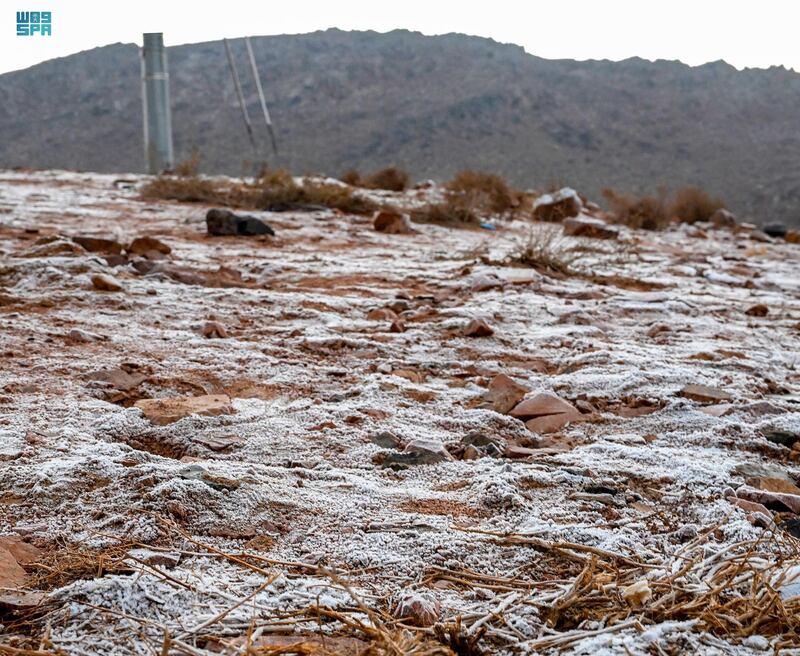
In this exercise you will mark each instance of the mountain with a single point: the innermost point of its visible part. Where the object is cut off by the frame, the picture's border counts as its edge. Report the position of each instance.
(434, 105)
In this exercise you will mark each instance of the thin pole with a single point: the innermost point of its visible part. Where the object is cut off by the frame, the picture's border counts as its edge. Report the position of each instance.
(264, 109)
(157, 122)
(237, 83)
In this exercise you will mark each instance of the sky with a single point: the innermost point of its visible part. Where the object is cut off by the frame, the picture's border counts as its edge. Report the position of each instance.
(755, 34)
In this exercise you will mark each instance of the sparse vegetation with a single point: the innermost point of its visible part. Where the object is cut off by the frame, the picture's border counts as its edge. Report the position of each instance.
(274, 189)
(646, 213)
(453, 210)
(190, 166)
(688, 205)
(484, 191)
(545, 250)
(691, 205)
(392, 178)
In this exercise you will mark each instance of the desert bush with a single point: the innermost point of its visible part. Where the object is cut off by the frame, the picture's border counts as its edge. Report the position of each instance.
(454, 210)
(273, 189)
(190, 166)
(484, 191)
(691, 205)
(546, 250)
(647, 212)
(392, 178)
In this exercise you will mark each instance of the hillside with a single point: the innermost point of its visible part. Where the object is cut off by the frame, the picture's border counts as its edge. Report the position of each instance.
(433, 105)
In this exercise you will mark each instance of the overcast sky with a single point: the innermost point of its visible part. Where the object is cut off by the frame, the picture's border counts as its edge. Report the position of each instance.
(746, 34)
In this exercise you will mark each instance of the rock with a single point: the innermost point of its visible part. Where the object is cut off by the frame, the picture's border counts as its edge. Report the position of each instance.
(11, 573)
(224, 222)
(503, 394)
(761, 236)
(219, 443)
(54, 246)
(758, 310)
(98, 245)
(780, 500)
(78, 335)
(558, 205)
(106, 283)
(213, 330)
(792, 237)
(24, 552)
(418, 452)
(166, 411)
(392, 223)
(416, 607)
(779, 485)
(544, 403)
(484, 283)
(386, 440)
(750, 506)
(478, 328)
(397, 326)
(785, 438)
(722, 218)
(144, 245)
(485, 445)
(775, 230)
(636, 594)
(705, 394)
(118, 378)
(199, 473)
(761, 409)
(382, 314)
(587, 227)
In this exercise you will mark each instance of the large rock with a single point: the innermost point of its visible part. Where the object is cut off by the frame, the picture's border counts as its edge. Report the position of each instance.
(166, 411)
(705, 394)
(546, 413)
(557, 206)
(224, 222)
(503, 394)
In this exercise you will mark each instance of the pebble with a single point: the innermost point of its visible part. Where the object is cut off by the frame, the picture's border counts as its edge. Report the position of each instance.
(213, 330)
(144, 245)
(587, 227)
(224, 222)
(392, 223)
(758, 310)
(106, 283)
(503, 394)
(478, 328)
(705, 394)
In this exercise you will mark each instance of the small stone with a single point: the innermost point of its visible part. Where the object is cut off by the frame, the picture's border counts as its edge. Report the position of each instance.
(705, 394)
(792, 237)
(382, 314)
(143, 245)
(219, 443)
(224, 222)
(590, 228)
(78, 335)
(166, 411)
(478, 328)
(392, 223)
(778, 230)
(106, 283)
(213, 330)
(758, 310)
(504, 393)
(779, 485)
(785, 438)
(199, 473)
(157, 558)
(544, 403)
(397, 326)
(761, 236)
(98, 245)
(418, 452)
(386, 440)
(416, 608)
(117, 378)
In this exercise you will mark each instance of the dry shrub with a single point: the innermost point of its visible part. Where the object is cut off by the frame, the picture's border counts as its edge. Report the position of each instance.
(546, 250)
(68, 563)
(688, 205)
(273, 189)
(452, 211)
(691, 205)
(392, 178)
(190, 166)
(646, 213)
(484, 191)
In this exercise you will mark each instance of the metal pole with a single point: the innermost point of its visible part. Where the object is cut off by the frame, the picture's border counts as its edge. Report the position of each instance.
(155, 99)
(264, 109)
(237, 83)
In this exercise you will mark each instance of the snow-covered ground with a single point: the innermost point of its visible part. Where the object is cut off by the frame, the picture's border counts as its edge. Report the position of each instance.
(291, 473)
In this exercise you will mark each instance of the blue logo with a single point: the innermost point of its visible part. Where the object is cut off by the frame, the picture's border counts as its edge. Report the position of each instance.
(34, 22)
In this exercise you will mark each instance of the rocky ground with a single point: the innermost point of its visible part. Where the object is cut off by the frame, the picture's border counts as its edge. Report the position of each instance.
(337, 440)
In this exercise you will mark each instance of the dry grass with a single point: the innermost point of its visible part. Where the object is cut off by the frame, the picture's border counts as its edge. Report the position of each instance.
(190, 166)
(66, 564)
(545, 250)
(274, 189)
(687, 205)
(484, 191)
(392, 178)
(454, 210)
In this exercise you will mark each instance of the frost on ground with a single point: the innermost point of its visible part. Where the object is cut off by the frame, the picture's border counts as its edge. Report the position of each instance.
(356, 478)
